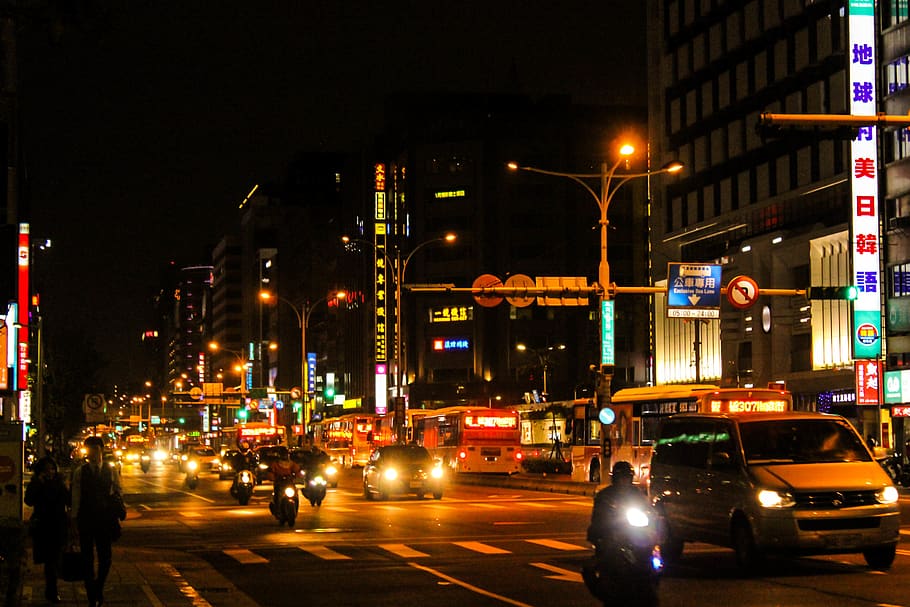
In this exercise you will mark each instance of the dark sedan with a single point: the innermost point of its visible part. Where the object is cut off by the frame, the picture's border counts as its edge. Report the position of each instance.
(402, 469)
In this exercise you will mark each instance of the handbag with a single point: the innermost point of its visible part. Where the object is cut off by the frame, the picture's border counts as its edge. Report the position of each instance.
(72, 563)
(117, 509)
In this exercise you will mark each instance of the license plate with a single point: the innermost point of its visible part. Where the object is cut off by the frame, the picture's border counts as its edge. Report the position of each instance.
(416, 485)
(843, 541)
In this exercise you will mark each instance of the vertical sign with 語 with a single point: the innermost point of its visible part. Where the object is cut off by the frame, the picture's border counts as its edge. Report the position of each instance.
(867, 327)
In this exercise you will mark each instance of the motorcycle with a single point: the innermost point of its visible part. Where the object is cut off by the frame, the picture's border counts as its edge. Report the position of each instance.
(894, 465)
(314, 487)
(285, 503)
(191, 467)
(242, 489)
(145, 462)
(627, 563)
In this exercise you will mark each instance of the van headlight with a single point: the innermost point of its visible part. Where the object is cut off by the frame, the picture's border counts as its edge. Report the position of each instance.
(331, 470)
(436, 472)
(887, 495)
(775, 499)
(390, 474)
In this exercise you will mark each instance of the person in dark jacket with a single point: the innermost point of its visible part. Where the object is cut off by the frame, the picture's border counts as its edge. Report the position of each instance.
(93, 484)
(48, 496)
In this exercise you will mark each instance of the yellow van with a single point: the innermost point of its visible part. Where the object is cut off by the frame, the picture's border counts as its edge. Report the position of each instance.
(763, 483)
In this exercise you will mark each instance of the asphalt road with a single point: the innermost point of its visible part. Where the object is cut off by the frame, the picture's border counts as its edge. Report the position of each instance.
(479, 545)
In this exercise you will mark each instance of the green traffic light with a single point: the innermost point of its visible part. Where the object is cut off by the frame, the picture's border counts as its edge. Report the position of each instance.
(846, 292)
(241, 413)
(851, 293)
(182, 420)
(330, 392)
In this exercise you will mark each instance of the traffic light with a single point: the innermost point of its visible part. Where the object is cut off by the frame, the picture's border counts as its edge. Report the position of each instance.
(329, 392)
(241, 414)
(846, 293)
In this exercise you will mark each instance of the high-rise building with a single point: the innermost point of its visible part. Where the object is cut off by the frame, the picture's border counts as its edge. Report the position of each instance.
(778, 205)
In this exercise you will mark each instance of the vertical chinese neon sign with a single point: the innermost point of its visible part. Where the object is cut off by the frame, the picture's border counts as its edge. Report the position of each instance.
(867, 325)
(381, 275)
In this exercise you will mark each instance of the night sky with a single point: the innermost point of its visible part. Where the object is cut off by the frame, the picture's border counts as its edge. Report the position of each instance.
(145, 123)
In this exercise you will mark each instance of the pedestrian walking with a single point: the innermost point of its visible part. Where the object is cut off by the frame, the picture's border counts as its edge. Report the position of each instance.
(48, 496)
(94, 484)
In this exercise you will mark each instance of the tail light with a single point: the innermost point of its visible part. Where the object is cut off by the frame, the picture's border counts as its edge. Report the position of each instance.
(519, 455)
(462, 454)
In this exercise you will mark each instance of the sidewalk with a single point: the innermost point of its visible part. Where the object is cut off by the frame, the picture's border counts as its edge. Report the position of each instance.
(144, 578)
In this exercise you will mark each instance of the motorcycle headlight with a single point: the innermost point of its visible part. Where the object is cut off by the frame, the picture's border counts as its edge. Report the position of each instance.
(318, 480)
(887, 495)
(436, 472)
(160, 455)
(146, 458)
(290, 491)
(263, 467)
(192, 465)
(246, 477)
(637, 517)
(775, 499)
(390, 474)
(331, 470)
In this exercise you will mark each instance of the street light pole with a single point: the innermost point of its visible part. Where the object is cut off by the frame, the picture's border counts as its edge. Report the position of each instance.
(400, 267)
(303, 321)
(603, 200)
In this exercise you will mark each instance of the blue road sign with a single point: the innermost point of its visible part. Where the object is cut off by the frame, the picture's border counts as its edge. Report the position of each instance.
(693, 290)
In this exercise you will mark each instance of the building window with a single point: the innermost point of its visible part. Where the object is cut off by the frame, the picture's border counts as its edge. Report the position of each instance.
(895, 12)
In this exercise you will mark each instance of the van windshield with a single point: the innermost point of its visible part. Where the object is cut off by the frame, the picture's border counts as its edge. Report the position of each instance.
(801, 441)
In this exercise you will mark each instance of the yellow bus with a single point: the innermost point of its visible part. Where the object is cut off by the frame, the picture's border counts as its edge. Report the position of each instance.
(349, 439)
(628, 429)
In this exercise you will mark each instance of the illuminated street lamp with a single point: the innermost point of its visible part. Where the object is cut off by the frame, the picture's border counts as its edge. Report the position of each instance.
(303, 320)
(400, 266)
(607, 190)
(241, 365)
(543, 358)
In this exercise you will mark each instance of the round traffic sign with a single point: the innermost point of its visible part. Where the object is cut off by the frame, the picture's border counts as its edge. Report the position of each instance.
(195, 392)
(296, 393)
(94, 401)
(484, 281)
(520, 281)
(742, 292)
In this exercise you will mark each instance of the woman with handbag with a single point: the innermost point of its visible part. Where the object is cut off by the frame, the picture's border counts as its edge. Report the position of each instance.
(95, 487)
(48, 496)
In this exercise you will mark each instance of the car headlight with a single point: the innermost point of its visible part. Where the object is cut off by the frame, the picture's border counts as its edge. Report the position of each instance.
(331, 470)
(887, 495)
(183, 458)
(290, 491)
(636, 517)
(390, 474)
(436, 472)
(775, 499)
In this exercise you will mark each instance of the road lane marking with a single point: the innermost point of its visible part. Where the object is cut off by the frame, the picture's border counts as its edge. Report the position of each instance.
(904, 552)
(189, 514)
(556, 544)
(561, 574)
(244, 556)
(540, 505)
(580, 503)
(391, 508)
(326, 554)
(403, 551)
(340, 509)
(481, 548)
(470, 587)
(491, 506)
(186, 589)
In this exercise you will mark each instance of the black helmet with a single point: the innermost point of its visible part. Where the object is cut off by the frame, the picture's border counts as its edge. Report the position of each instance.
(622, 468)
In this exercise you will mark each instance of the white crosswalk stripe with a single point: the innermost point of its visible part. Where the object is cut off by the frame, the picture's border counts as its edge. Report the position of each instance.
(325, 553)
(403, 551)
(482, 548)
(556, 544)
(244, 556)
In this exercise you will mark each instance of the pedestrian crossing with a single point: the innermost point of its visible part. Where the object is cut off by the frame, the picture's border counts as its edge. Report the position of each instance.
(453, 549)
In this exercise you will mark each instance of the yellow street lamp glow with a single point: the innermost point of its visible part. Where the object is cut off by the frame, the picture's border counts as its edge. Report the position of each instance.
(627, 150)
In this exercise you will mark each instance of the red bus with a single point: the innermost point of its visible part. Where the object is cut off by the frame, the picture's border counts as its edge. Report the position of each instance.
(470, 439)
(255, 433)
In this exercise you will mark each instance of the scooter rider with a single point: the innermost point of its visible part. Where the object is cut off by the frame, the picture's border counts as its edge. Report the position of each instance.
(242, 461)
(607, 501)
(282, 467)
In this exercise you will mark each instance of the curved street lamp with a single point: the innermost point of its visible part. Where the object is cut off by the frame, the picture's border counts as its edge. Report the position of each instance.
(400, 266)
(303, 320)
(543, 359)
(603, 199)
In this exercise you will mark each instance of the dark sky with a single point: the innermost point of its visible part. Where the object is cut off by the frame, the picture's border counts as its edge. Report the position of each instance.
(148, 121)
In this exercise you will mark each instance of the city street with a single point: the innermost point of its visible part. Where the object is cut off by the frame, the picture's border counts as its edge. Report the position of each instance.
(479, 545)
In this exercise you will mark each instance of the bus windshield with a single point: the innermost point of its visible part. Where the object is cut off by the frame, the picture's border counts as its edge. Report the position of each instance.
(801, 441)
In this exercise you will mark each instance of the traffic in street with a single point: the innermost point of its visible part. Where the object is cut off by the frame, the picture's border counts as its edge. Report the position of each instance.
(483, 544)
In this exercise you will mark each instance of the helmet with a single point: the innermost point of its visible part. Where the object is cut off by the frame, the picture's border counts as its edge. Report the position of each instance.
(622, 468)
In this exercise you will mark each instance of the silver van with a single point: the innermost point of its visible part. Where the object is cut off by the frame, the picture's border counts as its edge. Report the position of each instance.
(763, 483)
